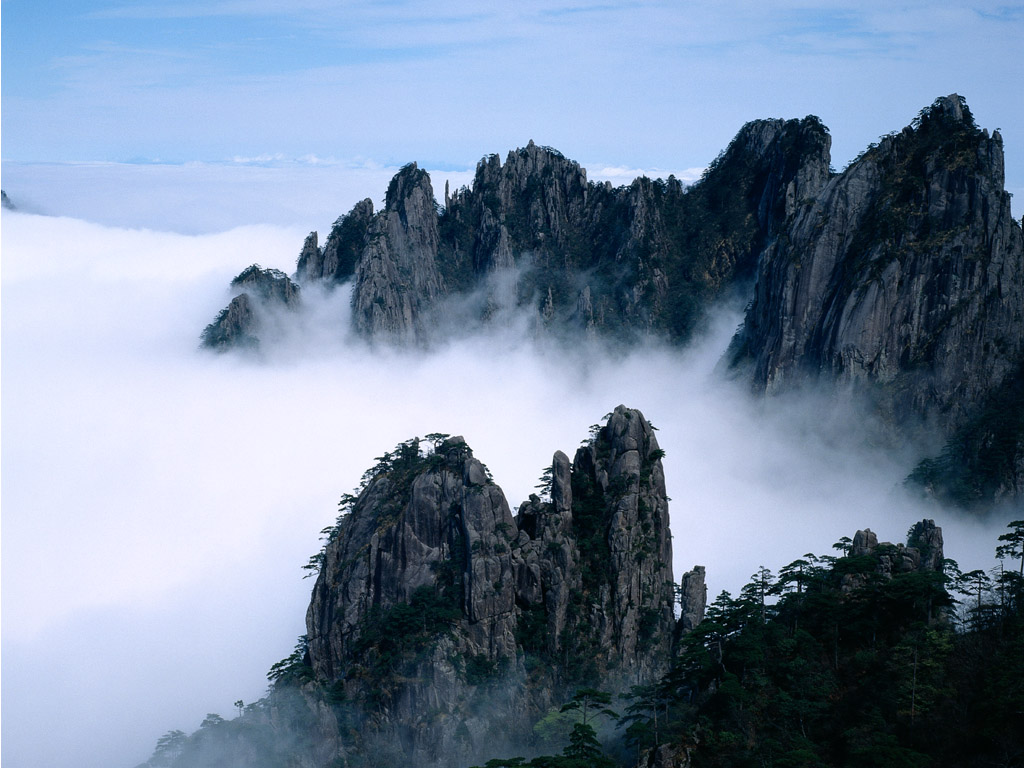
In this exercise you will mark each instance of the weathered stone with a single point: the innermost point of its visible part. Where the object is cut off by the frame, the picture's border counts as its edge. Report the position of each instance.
(269, 285)
(900, 281)
(921, 554)
(310, 263)
(259, 294)
(397, 278)
(693, 600)
(515, 589)
(668, 755)
(236, 327)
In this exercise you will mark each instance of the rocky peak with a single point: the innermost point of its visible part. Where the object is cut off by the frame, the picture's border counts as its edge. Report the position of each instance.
(532, 205)
(397, 277)
(693, 599)
(620, 520)
(267, 284)
(310, 262)
(429, 593)
(922, 553)
(409, 190)
(234, 328)
(259, 295)
(336, 261)
(628, 261)
(900, 280)
(952, 107)
(791, 158)
(346, 242)
(431, 520)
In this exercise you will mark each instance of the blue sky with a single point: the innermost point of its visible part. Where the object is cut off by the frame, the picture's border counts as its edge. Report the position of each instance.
(641, 84)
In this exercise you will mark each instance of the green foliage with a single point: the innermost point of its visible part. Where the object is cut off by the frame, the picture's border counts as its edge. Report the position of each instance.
(346, 241)
(294, 669)
(590, 703)
(584, 750)
(980, 459)
(591, 515)
(481, 670)
(255, 739)
(867, 674)
(532, 630)
(387, 636)
(168, 748)
(544, 485)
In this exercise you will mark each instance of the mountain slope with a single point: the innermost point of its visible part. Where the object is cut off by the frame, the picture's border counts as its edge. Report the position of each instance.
(902, 282)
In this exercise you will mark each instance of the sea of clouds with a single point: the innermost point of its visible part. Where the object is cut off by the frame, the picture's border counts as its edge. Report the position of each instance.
(159, 501)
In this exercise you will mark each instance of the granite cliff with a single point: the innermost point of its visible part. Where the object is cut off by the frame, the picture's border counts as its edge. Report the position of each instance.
(629, 261)
(448, 626)
(901, 282)
(442, 628)
(898, 282)
(260, 294)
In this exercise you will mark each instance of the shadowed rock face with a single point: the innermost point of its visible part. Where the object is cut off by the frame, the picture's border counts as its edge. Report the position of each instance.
(336, 261)
(628, 261)
(902, 282)
(397, 276)
(234, 328)
(634, 260)
(259, 292)
(638, 259)
(902, 278)
(445, 621)
(899, 280)
(693, 599)
(922, 553)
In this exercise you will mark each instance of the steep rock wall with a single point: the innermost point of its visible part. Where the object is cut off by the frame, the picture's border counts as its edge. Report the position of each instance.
(443, 623)
(902, 279)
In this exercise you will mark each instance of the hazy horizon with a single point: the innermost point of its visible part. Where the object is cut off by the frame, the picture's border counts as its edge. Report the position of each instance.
(637, 84)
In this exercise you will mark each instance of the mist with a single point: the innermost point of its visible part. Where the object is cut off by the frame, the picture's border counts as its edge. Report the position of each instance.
(159, 501)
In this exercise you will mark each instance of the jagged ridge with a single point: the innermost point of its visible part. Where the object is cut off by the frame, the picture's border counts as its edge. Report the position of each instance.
(431, 597)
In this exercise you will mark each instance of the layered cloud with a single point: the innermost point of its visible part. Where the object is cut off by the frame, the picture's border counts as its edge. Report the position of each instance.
(159, 502)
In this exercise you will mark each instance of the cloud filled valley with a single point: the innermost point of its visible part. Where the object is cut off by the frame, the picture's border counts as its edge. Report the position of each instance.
(159, 501)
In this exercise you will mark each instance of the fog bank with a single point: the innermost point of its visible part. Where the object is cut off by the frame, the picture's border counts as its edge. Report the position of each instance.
(159, 502)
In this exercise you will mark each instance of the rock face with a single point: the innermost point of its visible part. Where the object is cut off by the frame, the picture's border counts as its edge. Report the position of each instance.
(260, 292)
(900, 281)
(446, 623)
(634, 260)
(599, 557)
(336, 261)
(532, 235)
(397, 277)
(5, 202)
(693, 599)
(922, 553)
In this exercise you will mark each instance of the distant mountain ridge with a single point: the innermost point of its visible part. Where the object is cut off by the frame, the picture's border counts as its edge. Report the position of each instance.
(899, 281)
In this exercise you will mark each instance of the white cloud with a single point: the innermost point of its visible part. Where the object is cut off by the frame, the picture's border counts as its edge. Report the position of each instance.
(158, 502)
